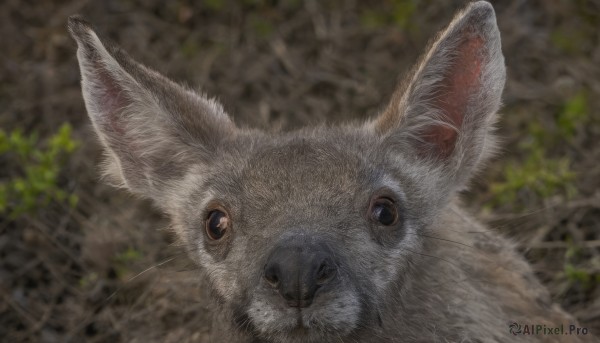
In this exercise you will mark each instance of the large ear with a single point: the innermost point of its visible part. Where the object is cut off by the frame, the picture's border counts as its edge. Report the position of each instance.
(151, 128)
(444, 112)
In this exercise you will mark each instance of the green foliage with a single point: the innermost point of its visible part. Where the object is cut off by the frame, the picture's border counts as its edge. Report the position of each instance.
(35, 180)
(573, 252)
(393, 12)
(128, 256)
(538, 174)
(121, 264)
(574, 112)
(88, 280)
(567, 41)
(578, 275)
(123, 261)
(572, 272)
(190, 48)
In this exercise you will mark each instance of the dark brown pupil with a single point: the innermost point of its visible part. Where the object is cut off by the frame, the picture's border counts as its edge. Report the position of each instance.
(384, 213)
(217, 224)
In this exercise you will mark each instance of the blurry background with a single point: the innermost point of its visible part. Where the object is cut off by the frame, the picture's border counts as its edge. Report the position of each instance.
(82, 262)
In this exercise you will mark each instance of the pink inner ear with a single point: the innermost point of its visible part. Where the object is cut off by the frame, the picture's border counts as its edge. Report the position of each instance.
(462, 79)
(112, 100)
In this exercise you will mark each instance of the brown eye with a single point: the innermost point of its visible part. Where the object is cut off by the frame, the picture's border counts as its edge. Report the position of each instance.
(217, 224)
(384, 212)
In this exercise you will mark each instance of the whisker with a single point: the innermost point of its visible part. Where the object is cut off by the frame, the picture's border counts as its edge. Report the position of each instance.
(431, 256)
(140, 274)
(441, 239)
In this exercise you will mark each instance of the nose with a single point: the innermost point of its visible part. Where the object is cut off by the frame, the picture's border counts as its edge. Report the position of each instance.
(298, 270)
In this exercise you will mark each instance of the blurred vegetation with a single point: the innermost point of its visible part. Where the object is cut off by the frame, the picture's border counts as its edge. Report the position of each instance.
(575, 39)
(579, 269)
(123, 265)
(536, 174)
(35, 183)
(123, 261)
(392, 12)
(262, 16)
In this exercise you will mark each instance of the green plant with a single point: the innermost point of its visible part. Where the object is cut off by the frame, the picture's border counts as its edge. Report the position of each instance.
(573, 272)
(33, 183)
(88, 279)
(393, 12)
(124, 259)
(537, 175)
(574, 112)
(567, 41)
(578, 275)
(128, 256)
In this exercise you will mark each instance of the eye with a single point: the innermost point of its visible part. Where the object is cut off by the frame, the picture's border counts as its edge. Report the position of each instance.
(383, 211)
(217, 224)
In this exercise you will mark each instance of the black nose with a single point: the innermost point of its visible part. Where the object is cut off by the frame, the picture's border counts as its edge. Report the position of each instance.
(298, 270)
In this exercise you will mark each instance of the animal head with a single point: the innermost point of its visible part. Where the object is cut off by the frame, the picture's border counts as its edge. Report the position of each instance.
(302, 235)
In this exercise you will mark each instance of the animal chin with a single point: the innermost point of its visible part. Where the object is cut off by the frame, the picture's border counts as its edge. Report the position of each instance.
(305, 330)
(312, 324)
(330, 314)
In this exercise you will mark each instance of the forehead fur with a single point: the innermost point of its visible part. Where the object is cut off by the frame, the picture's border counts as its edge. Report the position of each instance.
(325, 158)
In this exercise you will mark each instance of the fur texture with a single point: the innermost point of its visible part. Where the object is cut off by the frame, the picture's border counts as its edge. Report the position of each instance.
(434, 276)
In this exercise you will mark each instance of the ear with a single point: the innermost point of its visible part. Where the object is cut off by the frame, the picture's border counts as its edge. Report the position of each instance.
(444, 114)
(152, 129)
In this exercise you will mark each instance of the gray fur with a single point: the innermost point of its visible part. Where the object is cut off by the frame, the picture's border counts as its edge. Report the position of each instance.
(437, 276)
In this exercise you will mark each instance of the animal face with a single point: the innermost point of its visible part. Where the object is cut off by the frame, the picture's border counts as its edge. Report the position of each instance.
(305, 235)
(297, 260)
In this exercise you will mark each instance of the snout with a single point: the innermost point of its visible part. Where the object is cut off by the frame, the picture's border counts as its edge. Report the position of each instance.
(298, 270)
